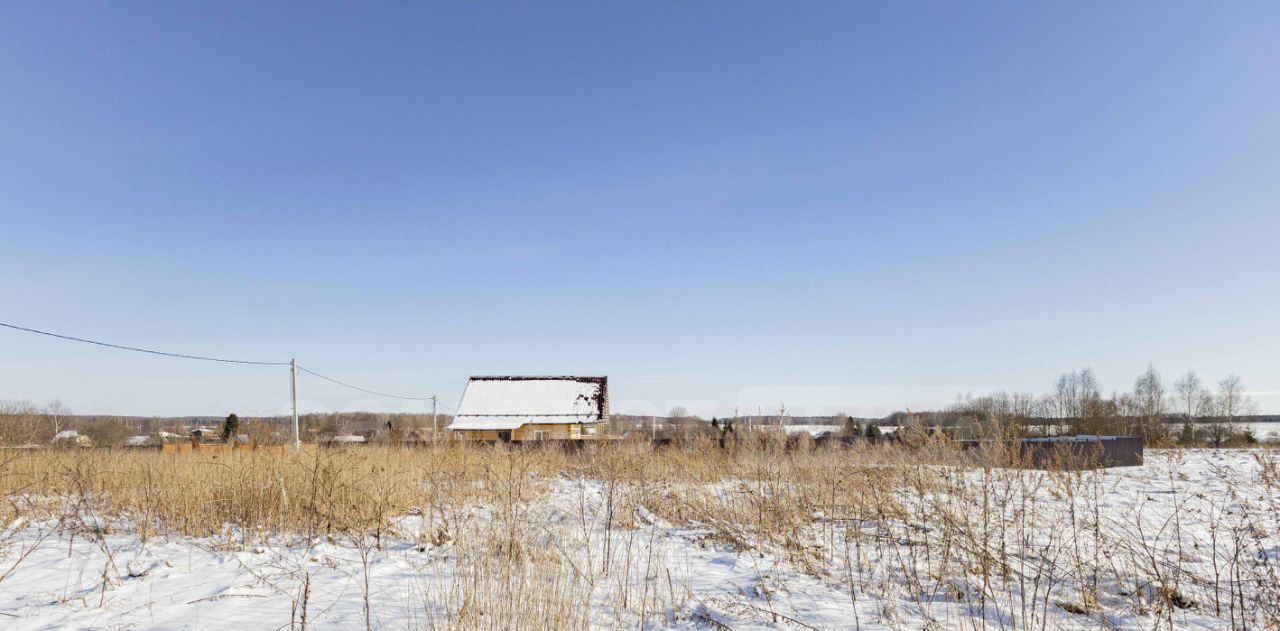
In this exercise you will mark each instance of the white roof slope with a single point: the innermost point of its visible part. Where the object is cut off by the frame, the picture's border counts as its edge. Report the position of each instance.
(509, 402)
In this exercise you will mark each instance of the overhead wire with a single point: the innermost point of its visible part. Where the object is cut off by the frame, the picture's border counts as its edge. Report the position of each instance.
(211, 359)
(347, 385)
(142, 350)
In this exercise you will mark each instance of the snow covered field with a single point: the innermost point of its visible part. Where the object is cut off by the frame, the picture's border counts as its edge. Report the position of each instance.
(1190, 540)
(1264, 432)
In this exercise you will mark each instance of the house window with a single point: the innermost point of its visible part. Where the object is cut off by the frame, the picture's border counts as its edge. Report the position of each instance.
(540, 435)
(589, 431)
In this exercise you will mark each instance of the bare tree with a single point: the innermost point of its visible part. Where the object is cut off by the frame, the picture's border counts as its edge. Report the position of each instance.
(1076, 397)
(1097, 413)
(1022, 405)
(1148, 404)
(1066, 397)
(1192, 401)
(20, 423)
(997, 414)
(57, 414)
(1230, 403)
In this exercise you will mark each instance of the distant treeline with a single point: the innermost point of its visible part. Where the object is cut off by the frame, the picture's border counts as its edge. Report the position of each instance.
(23, 423)
(1186, 412)
(935, 418)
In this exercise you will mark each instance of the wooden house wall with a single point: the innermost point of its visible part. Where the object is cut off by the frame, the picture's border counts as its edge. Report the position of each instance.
(526, 432)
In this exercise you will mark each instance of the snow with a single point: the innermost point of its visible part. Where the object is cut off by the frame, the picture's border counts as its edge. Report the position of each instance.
(693, 577)
(508, 403)
(814, 430)
(1265, 432)
(345, 438)
(819, 430)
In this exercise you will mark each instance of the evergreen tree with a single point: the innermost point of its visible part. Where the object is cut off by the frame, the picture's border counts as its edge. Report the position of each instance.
(852, 427)
(873, 430)
(230, 427)
(725, 431)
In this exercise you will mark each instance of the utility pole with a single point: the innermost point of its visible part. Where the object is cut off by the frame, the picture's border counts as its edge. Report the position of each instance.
(435, 429)
(293, 392)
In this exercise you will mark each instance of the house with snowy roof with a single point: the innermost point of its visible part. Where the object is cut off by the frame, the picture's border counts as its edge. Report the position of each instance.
(524, 408)
(70, 437)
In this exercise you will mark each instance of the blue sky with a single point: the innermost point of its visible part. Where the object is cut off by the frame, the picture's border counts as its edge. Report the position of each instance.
(835, 206)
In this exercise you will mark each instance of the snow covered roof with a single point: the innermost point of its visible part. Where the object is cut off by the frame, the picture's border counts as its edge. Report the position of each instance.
(1079, 438)
(508, 402)
(67, 434)
(345, 438)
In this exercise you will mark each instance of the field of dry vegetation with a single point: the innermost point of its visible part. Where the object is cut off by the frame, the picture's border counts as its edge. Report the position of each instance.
(622, 535)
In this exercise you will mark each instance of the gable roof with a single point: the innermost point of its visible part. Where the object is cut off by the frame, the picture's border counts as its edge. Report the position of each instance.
(504, 403)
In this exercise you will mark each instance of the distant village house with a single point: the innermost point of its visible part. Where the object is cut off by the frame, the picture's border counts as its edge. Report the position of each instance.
(72, 438)
(525, 409)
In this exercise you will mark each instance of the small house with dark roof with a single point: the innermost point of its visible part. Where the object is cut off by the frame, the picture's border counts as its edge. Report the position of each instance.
(530, 408)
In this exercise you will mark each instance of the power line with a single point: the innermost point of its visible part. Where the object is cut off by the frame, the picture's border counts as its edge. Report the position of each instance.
(203, 358)
(142, 350)
(292, 364)
(347, 385)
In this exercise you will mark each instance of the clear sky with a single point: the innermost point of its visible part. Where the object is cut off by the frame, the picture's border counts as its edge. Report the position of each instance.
(837, 206)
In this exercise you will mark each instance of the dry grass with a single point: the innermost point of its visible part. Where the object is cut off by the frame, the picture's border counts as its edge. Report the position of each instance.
(914, 530)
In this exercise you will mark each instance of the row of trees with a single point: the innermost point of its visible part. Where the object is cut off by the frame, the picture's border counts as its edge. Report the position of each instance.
(25, 423)
(1187, 412)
